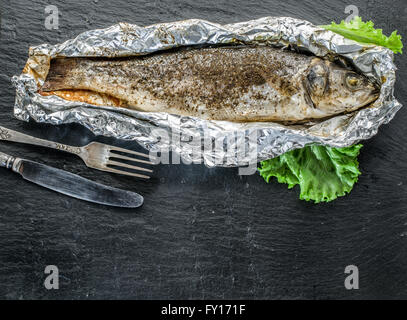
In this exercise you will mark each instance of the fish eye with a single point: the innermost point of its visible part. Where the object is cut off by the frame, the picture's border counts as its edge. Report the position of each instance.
(353, 81)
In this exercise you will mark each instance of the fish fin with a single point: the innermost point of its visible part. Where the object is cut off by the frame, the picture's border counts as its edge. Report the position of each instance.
(307, 94)
(57, 78)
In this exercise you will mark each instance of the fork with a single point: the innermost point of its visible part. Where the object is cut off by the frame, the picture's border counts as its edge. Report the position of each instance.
(95, 155)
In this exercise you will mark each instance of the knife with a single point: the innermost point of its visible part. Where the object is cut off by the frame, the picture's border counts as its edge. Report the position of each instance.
(70, 184)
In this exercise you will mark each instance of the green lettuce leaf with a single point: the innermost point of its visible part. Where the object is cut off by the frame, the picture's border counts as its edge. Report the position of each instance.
(366, 33)
(323, 173)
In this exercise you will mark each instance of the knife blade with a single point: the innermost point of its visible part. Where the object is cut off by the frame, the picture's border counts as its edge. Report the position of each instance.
(71, 184)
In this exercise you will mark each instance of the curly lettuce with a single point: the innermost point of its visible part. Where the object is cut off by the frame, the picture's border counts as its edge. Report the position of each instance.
(323, 173)
(365, 32)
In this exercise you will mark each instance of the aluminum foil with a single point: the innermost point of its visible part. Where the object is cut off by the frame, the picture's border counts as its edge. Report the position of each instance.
(186, 135)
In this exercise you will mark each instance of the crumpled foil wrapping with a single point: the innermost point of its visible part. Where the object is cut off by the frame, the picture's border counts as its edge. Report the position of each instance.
(271, 139)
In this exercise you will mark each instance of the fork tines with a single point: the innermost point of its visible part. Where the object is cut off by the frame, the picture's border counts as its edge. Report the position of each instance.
(118, 166)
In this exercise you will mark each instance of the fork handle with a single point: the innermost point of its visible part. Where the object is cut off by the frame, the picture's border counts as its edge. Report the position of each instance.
(15, 136)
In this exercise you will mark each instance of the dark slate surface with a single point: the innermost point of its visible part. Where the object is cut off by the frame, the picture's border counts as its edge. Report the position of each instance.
(202, 233)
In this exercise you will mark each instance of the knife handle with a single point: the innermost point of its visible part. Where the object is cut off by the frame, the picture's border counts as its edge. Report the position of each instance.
(15, 136)
(6, 161)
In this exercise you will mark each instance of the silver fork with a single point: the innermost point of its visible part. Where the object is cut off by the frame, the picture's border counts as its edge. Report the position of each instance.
(95, 155)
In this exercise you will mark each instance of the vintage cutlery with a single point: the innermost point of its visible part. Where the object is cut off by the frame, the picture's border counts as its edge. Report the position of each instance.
(95, 155)
(70, 184)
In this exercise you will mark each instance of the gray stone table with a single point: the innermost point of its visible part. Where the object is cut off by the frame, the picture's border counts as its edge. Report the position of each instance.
(202, 233)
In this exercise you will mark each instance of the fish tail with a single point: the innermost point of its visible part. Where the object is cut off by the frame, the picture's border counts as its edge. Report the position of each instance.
(60, 74)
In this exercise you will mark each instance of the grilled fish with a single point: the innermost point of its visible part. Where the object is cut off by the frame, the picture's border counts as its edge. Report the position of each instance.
(257, 83)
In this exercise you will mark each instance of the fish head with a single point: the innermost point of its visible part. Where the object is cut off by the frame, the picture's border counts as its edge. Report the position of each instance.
(333, 89)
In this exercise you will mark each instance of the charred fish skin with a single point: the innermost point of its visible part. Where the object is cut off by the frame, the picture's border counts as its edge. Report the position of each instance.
(229, 83)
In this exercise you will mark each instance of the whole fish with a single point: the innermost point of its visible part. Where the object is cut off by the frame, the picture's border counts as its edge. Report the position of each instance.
(241, 83)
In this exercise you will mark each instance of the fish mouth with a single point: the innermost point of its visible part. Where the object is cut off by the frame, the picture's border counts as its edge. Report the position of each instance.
(376, 92)
(376, 89)
(374, 96)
